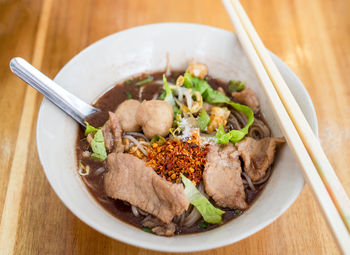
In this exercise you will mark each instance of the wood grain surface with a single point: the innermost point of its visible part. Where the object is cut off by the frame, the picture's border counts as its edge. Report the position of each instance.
(312, 37)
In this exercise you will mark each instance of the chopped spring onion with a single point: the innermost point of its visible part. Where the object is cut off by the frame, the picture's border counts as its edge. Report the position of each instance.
(203, 120)
(128, 95)
(147, 80)
(207, 210)
(234, 86)
(148, 230)
(128, 82)
(203, 225)
(160, 140)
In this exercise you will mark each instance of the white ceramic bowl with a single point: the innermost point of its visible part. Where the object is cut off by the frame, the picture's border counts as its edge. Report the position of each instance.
(119, 56)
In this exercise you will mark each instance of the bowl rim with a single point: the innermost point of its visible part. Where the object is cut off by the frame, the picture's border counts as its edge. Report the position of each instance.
(140, 243)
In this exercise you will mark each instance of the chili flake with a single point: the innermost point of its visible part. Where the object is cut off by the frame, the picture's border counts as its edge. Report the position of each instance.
(176, 156)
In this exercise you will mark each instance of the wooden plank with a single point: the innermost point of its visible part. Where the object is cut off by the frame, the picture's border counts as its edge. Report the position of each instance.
(18, 23)
(310, 36)
(11, 208)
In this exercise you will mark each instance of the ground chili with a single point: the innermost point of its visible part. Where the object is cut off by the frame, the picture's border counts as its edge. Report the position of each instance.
(176, 156)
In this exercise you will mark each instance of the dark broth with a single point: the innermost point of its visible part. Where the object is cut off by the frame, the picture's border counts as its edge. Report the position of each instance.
(94, 182)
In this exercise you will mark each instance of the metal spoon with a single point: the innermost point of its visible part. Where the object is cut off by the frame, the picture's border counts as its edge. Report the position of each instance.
(70, 104)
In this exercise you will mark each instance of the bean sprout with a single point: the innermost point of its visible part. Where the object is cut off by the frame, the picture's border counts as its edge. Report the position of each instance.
(137, 134)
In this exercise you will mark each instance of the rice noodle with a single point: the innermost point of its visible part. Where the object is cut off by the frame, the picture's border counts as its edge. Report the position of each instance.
(192, 215)
(259, 130)
(182, 218)
(234, 122)
(255, 132)
(192, 218)
(240, 117)
(201, 189)
(142, 212)
(146, 218)
(249, 181)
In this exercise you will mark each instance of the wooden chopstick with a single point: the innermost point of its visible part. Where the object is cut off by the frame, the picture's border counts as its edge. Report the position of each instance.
(311, 143)
(316, 167)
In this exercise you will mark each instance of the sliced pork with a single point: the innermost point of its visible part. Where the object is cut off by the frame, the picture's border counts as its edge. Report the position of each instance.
(158, 227)
(249, 98)
(258, 155)
(129, 179)
(222, 176)
(113, 134)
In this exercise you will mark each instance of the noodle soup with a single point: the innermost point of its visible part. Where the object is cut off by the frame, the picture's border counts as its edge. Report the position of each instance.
(190, 150)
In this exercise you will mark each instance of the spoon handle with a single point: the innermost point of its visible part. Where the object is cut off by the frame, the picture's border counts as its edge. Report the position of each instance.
(70, 104)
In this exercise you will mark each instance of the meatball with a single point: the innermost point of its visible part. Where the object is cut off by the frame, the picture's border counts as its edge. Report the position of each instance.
(155, 117)
(126, 112)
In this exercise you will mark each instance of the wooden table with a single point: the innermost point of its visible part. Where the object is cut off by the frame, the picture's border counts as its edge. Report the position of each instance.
(312, 37)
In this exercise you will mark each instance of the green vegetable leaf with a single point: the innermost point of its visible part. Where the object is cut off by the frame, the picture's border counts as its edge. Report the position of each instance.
(209, 95)
(147, 80)
(89, 129)
(203, 120)
(247, 112)
(212, 96)
(234, 86)
(128, 82)
(195, 83)
(235, 136)
(207, 210)
(98, 146)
